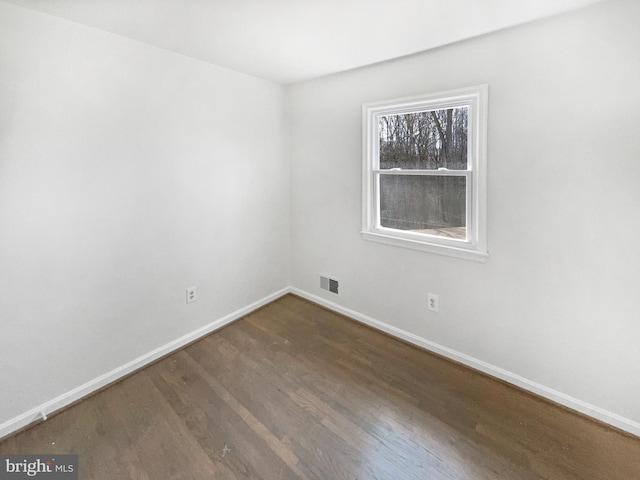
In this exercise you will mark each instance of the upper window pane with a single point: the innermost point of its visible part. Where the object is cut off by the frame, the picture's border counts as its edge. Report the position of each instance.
(426, 140)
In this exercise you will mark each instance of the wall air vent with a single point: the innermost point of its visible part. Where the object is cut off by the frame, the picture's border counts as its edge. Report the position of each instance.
(329, 284)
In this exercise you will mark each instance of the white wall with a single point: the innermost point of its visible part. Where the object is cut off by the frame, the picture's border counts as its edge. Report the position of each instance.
(557, 301)
(127, 173)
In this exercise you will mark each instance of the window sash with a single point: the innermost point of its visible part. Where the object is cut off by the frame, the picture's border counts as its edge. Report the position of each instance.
(467, 242)
(435, 173)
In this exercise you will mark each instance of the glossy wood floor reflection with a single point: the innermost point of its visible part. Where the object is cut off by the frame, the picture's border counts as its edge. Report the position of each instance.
(294, 391)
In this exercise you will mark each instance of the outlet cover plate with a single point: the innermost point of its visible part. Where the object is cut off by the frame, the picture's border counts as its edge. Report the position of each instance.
(433, 303)
(192, 294)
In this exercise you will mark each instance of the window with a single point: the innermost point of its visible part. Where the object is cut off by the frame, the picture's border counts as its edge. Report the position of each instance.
(424, 172)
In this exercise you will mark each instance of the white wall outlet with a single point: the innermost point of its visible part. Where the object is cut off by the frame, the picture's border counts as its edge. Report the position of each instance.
(192, 294)
(433, 303)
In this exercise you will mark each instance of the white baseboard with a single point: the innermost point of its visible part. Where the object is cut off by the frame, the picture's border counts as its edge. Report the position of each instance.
(492, 370)
(40, 412)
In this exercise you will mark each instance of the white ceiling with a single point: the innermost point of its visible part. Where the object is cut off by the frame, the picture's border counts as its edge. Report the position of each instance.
(288, 41)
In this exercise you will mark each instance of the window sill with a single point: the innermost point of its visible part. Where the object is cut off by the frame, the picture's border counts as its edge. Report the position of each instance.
(446, 250)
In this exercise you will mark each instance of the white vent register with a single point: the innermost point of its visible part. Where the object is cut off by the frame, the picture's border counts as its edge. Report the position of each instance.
(329, 284)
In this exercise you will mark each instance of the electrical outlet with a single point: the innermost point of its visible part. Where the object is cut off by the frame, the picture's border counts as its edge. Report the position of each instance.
(433, 303)
(192, 294)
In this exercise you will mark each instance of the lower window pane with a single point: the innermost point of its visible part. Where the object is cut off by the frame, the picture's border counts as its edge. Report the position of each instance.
(424, 204)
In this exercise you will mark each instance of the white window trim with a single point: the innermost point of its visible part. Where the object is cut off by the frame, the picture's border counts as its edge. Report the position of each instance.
(475, 247)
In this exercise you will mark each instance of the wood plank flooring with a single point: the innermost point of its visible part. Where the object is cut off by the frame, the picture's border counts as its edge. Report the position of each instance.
(293, 391)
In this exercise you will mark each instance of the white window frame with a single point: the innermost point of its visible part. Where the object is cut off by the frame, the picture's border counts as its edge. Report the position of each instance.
(474, 247)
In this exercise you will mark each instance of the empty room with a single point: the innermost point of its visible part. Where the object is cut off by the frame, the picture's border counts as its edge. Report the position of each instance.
(304, 239)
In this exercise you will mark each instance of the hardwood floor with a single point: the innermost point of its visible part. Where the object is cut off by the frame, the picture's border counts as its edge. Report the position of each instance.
(294, 391)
